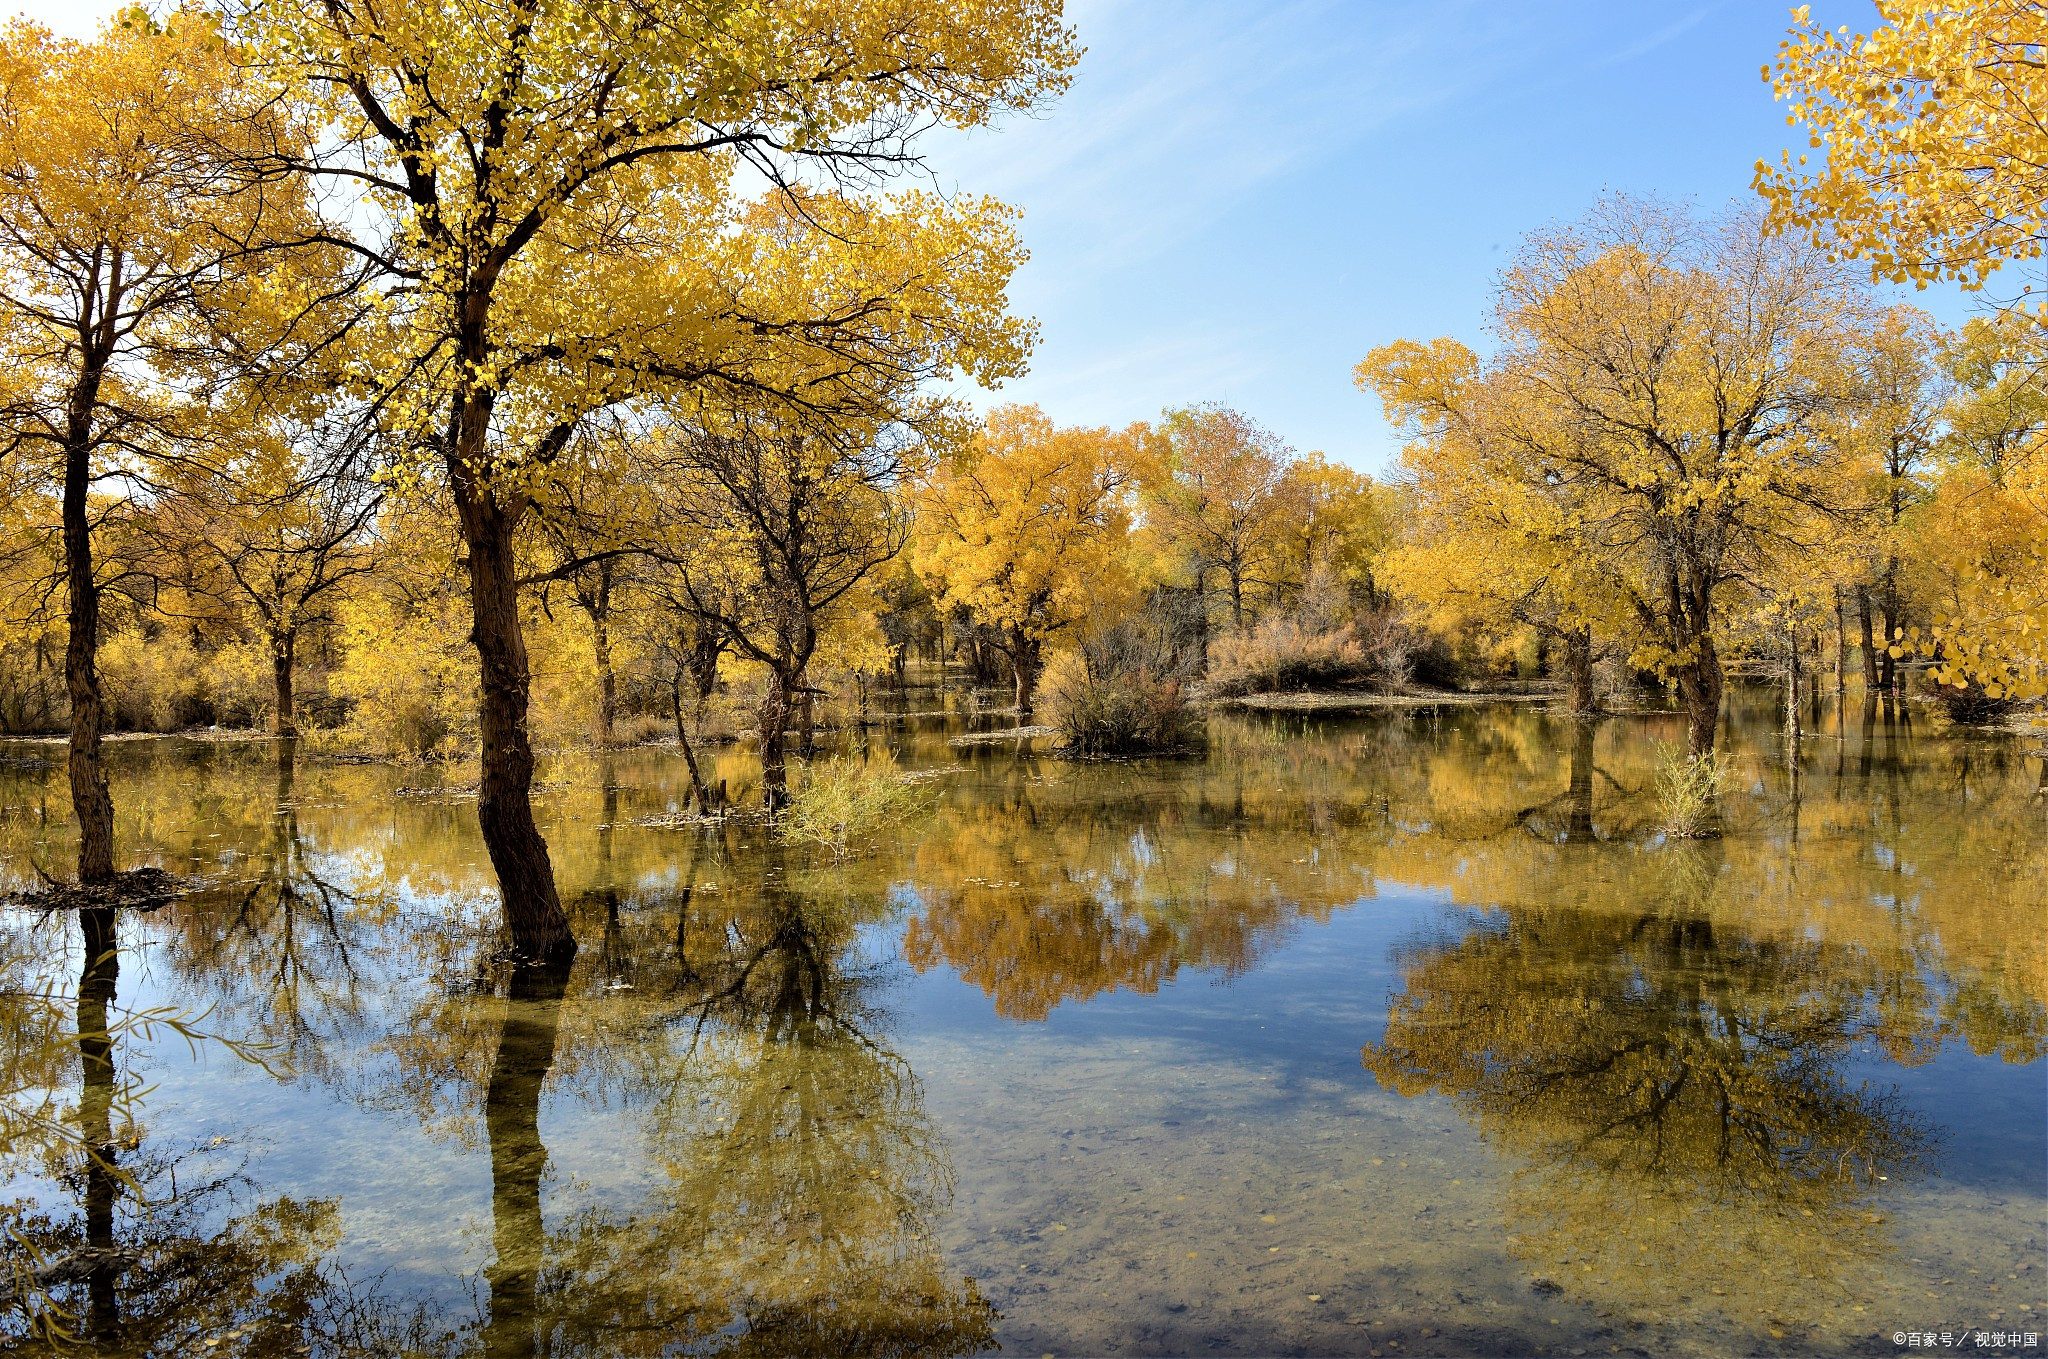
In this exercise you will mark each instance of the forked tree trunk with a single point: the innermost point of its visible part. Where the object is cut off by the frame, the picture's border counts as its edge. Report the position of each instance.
(90, 800)
(1699, 688)
(526, 878)
(283, 649)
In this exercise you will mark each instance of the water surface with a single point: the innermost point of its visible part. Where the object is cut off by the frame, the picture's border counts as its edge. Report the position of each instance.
(1405, 1034)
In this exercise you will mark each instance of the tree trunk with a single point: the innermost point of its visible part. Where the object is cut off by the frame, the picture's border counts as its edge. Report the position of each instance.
(1792, 686)
(1841, 644)
(773, 721)
(90, 800)
(1699, 688)
(1869, 641)
(1888, 665)
(1026, 656)
(1580, 698)
(526, 1053)
(283, 652)
(607, 681)
(526, 878)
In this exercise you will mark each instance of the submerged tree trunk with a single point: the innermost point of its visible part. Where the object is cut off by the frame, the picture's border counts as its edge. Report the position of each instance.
(526, 1053)
(90, 800)
(1580, 697)
(526, 878)
(283, 654)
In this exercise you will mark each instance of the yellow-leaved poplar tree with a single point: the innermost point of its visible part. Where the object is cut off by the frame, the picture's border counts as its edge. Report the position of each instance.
(1027, 529)
(1660, 395)
(550, 188)
(137, 243)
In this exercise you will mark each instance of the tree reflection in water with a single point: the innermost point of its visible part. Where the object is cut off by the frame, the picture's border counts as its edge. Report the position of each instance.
(800, 1181)
(1668, 1036)
(158, 1251)
(1678, 1089)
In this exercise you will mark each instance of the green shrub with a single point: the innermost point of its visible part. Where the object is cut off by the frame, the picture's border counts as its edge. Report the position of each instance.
(841, 804)
(1690, 787)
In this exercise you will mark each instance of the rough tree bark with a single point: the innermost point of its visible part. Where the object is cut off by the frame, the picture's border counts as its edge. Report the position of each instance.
(526, 878)
(773, 720)
(1699, 689)
(283, 654)
(1580, 697)
(1026, 663)
(90, 801)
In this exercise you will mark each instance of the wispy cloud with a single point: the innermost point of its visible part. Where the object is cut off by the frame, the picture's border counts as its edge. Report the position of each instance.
(1181, 113)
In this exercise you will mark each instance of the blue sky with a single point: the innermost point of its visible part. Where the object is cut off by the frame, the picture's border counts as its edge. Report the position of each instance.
(1239, 198)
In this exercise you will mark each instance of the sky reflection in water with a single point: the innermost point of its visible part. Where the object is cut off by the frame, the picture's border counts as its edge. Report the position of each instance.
(1403, 1034)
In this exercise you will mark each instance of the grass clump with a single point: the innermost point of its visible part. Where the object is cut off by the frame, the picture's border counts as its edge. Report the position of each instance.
(842, 804)
(1690, 787)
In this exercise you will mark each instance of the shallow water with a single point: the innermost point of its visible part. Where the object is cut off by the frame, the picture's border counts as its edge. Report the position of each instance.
(1407, 1034)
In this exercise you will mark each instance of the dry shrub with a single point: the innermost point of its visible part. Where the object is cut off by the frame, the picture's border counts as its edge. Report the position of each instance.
(1118, 692)
(1283, 652)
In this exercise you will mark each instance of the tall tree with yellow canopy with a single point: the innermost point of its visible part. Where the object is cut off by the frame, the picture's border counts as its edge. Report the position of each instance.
(138, 242)
(1026, 529)
(554, 181)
